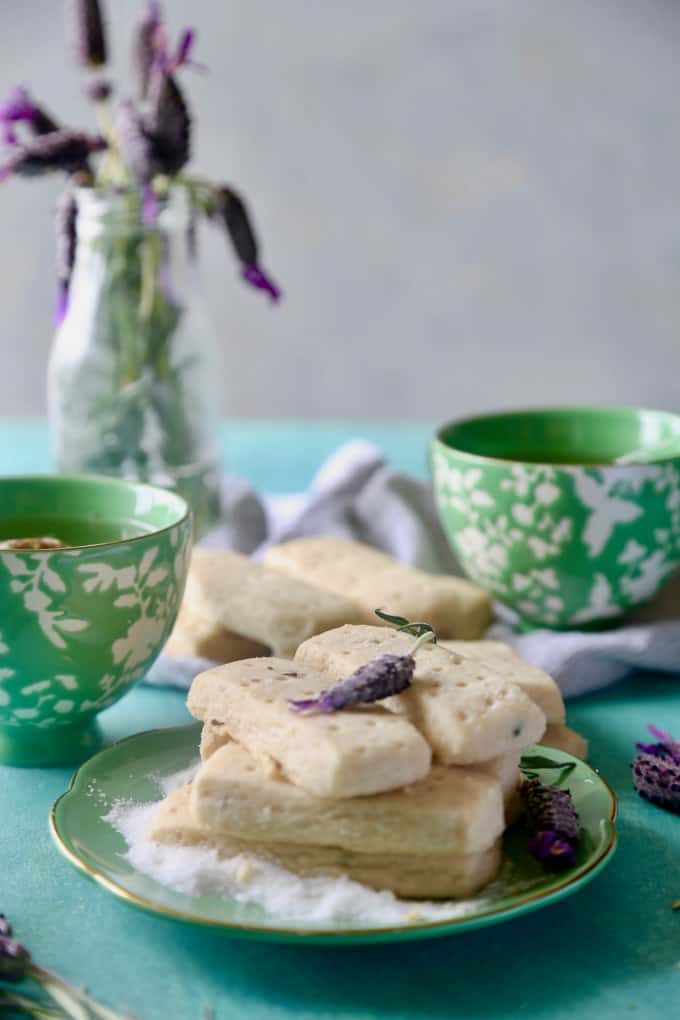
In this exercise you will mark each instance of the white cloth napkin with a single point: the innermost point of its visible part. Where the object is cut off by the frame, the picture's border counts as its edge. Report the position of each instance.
(355, 494)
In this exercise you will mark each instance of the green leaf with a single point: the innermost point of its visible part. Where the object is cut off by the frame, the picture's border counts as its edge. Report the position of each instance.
(402, 624)
(530, 762)
(395, 621)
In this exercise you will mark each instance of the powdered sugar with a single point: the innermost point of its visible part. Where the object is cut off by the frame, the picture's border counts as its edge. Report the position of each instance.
(198, 871)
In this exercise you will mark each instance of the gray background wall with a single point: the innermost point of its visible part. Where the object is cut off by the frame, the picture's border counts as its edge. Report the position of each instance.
(470, 203)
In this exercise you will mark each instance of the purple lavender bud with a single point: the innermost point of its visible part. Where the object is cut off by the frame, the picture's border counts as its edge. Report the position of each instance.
(145, 46)
(167, 122)
(232, 210)
(184, 48)
(378, 679)
(257, 278)
(66, 219)
(86, 28)
(60, 150)
(550, 809)
(552, 850)
(15, 960)
(20, 108)
(657, 778)
(98, 90)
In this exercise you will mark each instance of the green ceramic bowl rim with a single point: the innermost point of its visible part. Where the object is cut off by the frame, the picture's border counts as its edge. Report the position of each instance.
(438, 436)
(182, 506)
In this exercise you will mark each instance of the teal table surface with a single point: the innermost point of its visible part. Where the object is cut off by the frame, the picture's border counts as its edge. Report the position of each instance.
(610, 951)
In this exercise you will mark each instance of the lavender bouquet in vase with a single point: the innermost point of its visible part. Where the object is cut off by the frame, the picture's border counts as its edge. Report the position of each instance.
(133, 381)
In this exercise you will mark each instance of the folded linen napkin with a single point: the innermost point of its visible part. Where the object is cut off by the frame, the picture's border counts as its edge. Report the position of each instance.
(355, 494)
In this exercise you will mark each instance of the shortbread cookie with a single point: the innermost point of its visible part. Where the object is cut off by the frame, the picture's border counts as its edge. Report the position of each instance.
(453, 606)
(466, 711)
(504, 769)
(195, 638)
(564, 739)
(504, 660)
(229, 592)
(351, 753)
(437, 876)
(451, 810)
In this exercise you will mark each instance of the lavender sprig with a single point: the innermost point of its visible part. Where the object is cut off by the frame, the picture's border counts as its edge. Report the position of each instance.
(167, 123)
(230, 208)
(145, 43)
(16, 964)
(554, 824)
(68, 151)
(86, 28)
(656, 770)
(19, 108)
(383, 677)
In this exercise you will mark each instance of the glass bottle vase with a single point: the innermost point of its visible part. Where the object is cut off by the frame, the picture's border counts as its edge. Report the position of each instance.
(134, 370)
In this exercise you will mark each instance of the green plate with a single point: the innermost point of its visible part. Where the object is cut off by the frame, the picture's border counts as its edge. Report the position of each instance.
(129, 771)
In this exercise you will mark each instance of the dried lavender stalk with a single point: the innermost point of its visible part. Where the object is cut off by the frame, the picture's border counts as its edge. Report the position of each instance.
(230, 208)
(381, 678)
(145, 43)
(656, 770)
(167, 122)
(86, 28)
(59, 150)
(555, 825)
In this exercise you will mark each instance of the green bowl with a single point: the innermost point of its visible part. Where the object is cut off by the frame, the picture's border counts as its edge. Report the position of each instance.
(80, 625)
(538, 513)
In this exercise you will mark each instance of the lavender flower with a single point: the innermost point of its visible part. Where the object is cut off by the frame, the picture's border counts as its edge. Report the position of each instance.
(59, 150)
(19, 108)
(86, 27)
(554, 823)
(145, 46)
(232, 210)
(658, 780)
(656, 770)
(167, 122)
(381, 678)
(66, 218)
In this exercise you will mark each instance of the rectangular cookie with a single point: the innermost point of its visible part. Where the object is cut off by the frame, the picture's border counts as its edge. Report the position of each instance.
(361, 751)
(193, 637)
(467, 712)
(565, 739)
(451, 810)
(229, 592)
(504, 768)
(503, 659)
(454, 606)
(437, 876)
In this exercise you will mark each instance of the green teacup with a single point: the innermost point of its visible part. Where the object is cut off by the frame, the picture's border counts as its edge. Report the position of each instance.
(538, 511)
(80, 624)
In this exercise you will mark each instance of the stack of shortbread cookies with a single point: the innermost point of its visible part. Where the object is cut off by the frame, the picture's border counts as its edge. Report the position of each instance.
(410, 794)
